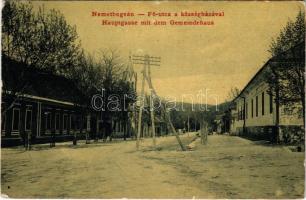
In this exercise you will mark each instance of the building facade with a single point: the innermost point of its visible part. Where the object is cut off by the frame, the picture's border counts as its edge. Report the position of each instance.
(254, 113)
(39, 107)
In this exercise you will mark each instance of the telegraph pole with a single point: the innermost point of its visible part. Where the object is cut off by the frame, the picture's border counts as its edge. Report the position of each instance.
(147, 61)
(140, 108)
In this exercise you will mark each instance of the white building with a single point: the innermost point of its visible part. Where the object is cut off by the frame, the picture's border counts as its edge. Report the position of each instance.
(254, 115)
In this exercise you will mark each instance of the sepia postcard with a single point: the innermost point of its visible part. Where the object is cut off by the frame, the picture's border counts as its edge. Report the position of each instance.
(153, 99)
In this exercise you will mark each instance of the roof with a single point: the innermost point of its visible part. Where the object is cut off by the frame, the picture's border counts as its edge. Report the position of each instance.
(273, 59)
(31, 81)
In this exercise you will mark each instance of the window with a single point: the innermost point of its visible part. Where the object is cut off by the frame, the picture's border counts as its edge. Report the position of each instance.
(246, 110)
(88, 122)
(48, 120)
(77, 122)
(242, 113)
(65, 122)
(256, 106)
(28, 119)
(263, 103)
(238, 113)
(252, 110)
(57, 121)
(3, 123)
(16, 119)
(70, 122)
(271, 103)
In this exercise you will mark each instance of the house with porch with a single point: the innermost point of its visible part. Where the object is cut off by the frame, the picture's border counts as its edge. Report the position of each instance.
(37, 105)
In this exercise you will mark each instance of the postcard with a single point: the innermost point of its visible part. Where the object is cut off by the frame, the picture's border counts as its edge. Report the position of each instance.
(153, 99)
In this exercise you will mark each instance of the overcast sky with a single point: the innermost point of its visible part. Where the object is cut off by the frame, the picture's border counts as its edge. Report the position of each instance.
(193, 58)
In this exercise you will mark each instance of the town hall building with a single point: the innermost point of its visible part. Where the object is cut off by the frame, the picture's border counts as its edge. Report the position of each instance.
(254, 112)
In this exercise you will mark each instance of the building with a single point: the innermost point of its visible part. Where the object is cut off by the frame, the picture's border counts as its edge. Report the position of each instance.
(37, 105)
(254, 112)
(40, 107)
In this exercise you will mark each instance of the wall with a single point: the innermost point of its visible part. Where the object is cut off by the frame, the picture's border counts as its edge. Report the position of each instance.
(262, 126)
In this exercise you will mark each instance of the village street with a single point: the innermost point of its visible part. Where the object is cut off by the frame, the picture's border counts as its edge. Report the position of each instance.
(227, 167)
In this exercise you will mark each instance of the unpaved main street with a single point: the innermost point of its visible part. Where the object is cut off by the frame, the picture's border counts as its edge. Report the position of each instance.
(227, 167)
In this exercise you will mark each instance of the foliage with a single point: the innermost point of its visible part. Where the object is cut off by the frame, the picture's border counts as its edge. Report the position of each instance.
(41, 39)
(286, 68)
(45, 41)
(290, 36)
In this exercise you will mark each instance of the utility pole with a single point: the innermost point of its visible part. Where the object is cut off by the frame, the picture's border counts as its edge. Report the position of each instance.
(140, 109)
(148, 61)
(152, 118)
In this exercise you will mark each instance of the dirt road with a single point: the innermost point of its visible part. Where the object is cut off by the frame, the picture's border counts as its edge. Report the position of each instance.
(227, 167)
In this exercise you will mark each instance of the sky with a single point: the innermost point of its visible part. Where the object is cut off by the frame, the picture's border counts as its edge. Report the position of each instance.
(194, 59)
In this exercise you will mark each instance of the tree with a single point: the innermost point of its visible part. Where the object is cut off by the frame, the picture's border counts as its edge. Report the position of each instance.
(126, 94)
(285, 75)
(42, 40)
(86, 76)
(16, 19)
(116, 86)
(233, 93)
(39, 39)
(290, 36)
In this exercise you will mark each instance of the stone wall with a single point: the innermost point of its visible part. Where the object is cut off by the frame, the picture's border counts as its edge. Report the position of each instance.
(287, 134)
(259, 133)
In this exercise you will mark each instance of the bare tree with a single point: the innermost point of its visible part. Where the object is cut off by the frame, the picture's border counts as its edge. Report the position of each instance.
(233, 93)
(114, 84)
(87, 77)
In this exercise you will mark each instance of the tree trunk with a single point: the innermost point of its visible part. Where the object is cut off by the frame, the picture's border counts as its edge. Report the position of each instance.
(52, 144)
(74, 133)
(28, 140)
(124, 129)
(303, 112)
(87, 130)
(87, 138)
(152, 119)
(74, 137)
(277, 139)
(204, 132)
